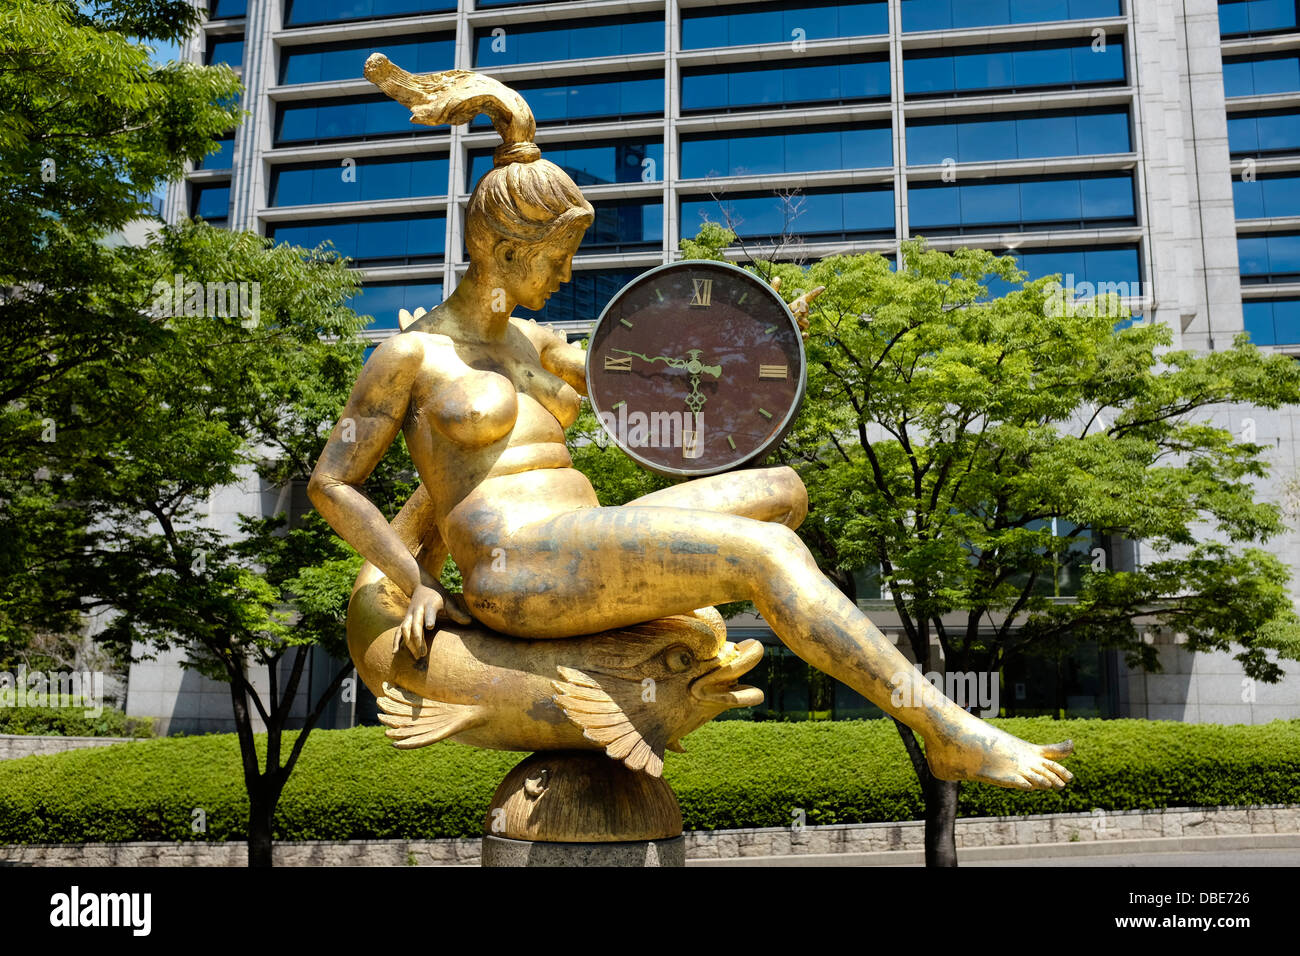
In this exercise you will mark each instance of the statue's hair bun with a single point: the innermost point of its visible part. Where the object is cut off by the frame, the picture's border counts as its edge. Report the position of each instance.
(456, 97)
(505, 154)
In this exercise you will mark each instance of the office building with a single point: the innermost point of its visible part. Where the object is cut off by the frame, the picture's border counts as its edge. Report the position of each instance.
(1147, 148)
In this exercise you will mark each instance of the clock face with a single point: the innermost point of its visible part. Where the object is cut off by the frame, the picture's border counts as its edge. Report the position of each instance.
(696, 368)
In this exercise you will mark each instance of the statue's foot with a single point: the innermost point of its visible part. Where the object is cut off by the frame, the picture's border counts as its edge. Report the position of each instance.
(979, 751)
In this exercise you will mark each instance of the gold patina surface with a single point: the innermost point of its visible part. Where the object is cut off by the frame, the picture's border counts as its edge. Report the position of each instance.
(483, 399)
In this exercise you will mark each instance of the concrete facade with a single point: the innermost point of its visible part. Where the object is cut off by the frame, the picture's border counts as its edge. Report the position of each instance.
(14, 747)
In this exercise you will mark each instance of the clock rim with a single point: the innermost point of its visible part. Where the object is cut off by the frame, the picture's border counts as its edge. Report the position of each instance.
(786, 423)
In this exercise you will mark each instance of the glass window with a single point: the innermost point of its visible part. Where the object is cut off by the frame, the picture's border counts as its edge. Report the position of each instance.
(1286, 321)
(1000, 202)
(813, 81)
(1271, 258)
(594, 164)
(1258, 318)
(1105, 267)
(1247, 200)
(1259, 76)
(345, 61)
(228, 51)
(1068, 201)
(1238, 18)
(357, 117)
(1274, 131)
(568, 40)
(225, 9)
(705, 27)
(929, 207)
(1252, 255)
(1009, 68)
(211, 203)
(1267, 197)
(956, 14)
(395, 239)
(602, 97)
(805, 150)
(365, 179)
(302, 12)
(223, 158)
(985, 142)
(827, 213)
(479, 4)
(624, 224)
(1107, 197)
(1093, 65)
(1273, 323)
(583, 297)
(384, 300)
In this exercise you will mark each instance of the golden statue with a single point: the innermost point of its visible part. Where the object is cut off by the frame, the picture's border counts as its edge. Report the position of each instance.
(483, 400)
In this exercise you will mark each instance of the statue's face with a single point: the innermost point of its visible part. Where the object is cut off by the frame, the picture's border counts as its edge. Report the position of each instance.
(531, 276)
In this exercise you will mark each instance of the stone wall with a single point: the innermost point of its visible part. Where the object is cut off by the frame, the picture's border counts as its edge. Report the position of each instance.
(12, 747)
(707, 845)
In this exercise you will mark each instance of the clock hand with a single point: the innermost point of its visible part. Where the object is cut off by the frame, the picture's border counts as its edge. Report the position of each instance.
(694, 366)
(695, 399)
(672, 362)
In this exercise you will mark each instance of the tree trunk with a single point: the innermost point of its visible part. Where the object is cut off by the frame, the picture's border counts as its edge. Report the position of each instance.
(940, 822)
(262, 801)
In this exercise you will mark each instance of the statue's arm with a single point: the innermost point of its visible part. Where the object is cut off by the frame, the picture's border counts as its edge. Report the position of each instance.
(558, 357)
(370, 422)
(416, 524)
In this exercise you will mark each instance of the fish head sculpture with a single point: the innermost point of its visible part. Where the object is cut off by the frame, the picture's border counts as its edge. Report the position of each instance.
(643, 688)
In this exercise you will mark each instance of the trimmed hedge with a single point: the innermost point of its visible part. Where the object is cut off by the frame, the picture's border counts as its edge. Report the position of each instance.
(350, 784)
(71, 721)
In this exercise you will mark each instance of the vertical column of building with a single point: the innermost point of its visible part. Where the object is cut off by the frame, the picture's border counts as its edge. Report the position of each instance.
(1217, 274)
(254, 136)
(671, 170)
(1159, 140)
(176, 202)
(458, 164)
(898, 125)
(1191, 249)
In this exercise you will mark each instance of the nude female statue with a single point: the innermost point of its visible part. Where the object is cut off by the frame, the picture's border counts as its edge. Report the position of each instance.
(483, 400)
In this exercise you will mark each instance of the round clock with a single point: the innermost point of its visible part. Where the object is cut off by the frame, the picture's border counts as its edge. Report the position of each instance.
(696, 368)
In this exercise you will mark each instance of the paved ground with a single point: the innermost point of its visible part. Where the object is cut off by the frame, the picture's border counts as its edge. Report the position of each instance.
(1248, 858)
(1263, 850)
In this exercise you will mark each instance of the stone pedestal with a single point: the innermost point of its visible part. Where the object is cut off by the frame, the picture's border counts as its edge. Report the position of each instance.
(579, 808)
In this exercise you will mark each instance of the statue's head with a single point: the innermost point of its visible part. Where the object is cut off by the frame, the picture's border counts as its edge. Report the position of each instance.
(526, 216)
(524, 223)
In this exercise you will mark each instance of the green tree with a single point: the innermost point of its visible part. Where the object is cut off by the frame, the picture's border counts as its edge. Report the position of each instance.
(125, 407)
(946, 433)
(220, 401)
(88, 126)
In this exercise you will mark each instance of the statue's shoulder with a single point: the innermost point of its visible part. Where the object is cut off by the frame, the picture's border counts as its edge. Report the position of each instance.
(412, 345)
(542, 337)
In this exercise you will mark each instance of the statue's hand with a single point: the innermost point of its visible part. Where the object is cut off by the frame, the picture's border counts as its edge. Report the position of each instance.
(427, 603)
(801, 306)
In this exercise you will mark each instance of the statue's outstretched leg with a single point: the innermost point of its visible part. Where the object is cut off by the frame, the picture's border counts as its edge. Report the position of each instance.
(765, 494)
(604, 568)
